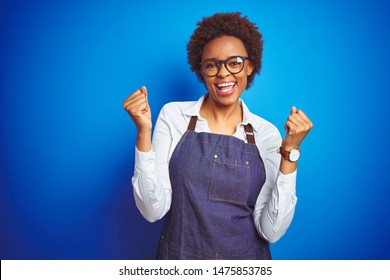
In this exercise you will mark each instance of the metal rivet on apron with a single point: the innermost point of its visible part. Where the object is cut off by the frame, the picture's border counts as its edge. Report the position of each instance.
(215, 156)
(247, 162)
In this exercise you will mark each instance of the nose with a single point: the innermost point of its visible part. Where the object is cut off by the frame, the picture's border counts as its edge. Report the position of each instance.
(223, 72)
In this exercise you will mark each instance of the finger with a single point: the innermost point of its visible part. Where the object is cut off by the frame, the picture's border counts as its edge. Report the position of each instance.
(136, 112)
(305, 118)
(296, 125)
(144, 90)
(136, 94)
(132, 96)
(296, 119)
(293, 110)
(137, 105)
(290, 127)
(135, 102)
(134, 99)
(287, 128)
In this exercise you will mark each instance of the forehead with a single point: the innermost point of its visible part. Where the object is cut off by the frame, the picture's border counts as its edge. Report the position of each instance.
(223, 47)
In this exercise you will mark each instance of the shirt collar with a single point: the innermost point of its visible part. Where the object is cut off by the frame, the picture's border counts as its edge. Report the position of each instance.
(194, 110)
(248, 117)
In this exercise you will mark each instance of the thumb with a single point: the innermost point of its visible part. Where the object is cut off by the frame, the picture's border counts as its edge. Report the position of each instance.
(293, 110)
(144, 90)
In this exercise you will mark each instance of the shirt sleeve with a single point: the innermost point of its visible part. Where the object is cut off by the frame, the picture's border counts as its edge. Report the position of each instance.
(151, 184)
(276, 202)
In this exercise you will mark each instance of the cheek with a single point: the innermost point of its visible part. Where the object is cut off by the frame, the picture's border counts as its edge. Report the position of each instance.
(208, 82)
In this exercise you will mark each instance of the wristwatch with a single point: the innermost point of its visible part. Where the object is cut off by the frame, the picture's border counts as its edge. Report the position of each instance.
(292, 155)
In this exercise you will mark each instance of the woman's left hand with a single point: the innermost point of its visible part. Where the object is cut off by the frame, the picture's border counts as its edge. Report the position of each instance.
(297, 126)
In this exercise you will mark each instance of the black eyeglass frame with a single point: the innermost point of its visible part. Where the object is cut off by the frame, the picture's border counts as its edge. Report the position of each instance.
(219, 63)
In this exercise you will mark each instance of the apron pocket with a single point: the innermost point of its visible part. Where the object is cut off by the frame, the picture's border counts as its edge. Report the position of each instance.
(229, 183)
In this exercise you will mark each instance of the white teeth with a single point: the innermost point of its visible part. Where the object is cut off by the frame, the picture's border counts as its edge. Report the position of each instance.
(226, 84)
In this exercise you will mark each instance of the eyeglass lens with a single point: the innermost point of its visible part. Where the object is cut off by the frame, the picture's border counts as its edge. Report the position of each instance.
(234, 65)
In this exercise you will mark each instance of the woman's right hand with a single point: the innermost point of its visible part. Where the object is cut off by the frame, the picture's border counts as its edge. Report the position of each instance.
(137, 106)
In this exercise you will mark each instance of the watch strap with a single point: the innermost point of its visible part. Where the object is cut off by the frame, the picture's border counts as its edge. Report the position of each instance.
(285, 154)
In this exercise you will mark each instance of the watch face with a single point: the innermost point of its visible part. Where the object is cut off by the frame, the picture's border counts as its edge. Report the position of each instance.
(294, 155)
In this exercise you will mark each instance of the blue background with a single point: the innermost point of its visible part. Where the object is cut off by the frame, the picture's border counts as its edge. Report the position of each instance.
(67, 146)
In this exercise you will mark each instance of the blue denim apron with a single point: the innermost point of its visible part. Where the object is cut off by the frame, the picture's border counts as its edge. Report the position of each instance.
(215, 183)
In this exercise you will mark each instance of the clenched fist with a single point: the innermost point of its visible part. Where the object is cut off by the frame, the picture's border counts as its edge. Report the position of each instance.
(137, 107)
(297, 126)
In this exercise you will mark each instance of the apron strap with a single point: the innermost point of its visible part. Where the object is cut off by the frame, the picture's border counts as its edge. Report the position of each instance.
(192, 124)
(250, 137)
(248, 129)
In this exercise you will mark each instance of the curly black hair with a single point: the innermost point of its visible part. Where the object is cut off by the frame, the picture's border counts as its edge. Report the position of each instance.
(230, 24)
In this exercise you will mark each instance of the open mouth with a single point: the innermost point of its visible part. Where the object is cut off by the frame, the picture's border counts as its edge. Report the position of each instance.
(226, 88)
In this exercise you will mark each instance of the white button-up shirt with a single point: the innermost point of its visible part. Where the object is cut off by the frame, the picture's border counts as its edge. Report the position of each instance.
(275, 205)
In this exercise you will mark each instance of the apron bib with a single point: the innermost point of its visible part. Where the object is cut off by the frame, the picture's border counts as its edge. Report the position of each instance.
(216, 180)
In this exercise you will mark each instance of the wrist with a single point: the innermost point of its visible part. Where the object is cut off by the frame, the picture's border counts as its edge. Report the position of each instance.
(288, 147)
(144, 131)
(287, 167)
(144, 141)
(291, 154)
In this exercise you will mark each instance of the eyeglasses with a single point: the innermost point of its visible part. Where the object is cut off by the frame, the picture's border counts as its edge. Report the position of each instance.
(234, 64)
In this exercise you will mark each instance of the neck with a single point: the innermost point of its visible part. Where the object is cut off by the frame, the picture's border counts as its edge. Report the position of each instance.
(221, 119)
(221, 112)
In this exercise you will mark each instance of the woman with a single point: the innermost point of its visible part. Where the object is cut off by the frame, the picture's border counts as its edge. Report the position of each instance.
(222, 176)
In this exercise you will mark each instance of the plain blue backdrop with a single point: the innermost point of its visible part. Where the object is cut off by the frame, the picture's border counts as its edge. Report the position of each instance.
(67, 146)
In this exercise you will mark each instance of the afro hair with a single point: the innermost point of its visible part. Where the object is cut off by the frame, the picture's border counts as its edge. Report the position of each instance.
(226, 24)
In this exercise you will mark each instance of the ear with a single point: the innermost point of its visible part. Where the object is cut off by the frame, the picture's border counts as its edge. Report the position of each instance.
(249, 68)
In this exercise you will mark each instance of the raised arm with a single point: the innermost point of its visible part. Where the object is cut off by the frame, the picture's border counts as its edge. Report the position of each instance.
(275, 206)
(137, 106)
(151, 184)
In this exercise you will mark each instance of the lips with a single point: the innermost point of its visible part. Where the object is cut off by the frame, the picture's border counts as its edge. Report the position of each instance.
(225, 88)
